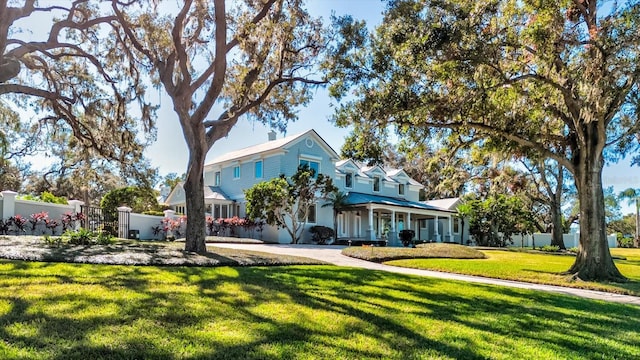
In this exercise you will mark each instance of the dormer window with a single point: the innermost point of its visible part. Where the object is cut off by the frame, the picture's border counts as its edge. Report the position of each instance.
(216, 181)
(400, 189)
(348, 180)
(376, 184)
(236, 172)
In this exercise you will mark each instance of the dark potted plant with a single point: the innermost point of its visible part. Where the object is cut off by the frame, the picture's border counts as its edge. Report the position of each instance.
(406, 236)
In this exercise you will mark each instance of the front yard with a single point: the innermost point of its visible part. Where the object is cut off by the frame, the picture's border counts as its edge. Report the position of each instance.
(81, 311)
(536, 268)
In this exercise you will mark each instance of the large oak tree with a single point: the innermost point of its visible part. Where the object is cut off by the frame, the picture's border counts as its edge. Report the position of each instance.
(255, 59)
(558, 78)
(63, 77)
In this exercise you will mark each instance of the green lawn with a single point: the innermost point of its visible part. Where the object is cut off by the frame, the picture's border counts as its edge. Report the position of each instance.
(537, 268)
(79, 311)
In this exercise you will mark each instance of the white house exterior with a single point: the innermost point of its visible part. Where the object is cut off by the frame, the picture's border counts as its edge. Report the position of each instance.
(380, 202)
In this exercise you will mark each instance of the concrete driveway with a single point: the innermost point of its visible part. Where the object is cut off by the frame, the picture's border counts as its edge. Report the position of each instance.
(333, 255)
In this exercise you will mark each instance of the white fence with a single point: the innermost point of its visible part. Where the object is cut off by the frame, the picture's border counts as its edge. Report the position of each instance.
(11, 206)
(570, 240)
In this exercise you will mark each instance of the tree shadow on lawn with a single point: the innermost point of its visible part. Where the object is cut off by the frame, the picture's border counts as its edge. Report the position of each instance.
(548, 318)
(311, 312)
(136, 253)
(630, 287)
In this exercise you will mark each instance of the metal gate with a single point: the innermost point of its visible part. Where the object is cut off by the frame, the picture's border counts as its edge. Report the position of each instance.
(96, 220)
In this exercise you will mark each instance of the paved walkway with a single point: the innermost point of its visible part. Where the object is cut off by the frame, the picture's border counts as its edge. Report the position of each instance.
(333, 255)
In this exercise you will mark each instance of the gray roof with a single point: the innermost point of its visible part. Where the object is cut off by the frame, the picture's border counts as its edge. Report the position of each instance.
(446, 203)
(265, 147)
(215, 193)
(356, 198)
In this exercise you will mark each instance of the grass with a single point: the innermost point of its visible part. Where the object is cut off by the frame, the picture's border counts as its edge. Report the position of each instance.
(536, 268)
(435, 250)
(80, 311)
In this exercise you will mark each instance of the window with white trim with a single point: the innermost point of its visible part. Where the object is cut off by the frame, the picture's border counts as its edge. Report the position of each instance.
(348, 180)
(236, 172)
(376, 184)
(216, 181)
(400, 189)
(314, 165)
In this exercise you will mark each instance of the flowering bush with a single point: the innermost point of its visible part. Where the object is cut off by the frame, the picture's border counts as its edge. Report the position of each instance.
(36, 219)
(18, 223)
(4, 227)
(69, 219)
(212, 225)
(51, 225)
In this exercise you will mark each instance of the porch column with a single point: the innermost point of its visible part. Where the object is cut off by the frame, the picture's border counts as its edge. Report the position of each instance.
(451, 228)
(436, 231)
(370, 234)
(392, 235)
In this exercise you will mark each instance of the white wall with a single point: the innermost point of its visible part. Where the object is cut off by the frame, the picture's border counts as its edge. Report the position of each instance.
(144, 223)
(570, 240)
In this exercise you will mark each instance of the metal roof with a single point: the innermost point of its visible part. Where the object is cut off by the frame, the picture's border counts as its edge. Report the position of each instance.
(356, 198)
(215, 193)
(272, 145)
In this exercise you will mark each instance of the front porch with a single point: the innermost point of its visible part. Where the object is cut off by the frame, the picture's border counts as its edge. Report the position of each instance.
(379, 220)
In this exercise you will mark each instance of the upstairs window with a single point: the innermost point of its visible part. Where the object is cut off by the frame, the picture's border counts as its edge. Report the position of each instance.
(376, 184)
(258, 169)
(236, 172)
(348, 180)
(313, 165)
(216, 181)
(400, 189)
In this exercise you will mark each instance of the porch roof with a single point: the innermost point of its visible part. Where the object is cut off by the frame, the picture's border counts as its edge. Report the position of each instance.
(356, 198)
(215, 193)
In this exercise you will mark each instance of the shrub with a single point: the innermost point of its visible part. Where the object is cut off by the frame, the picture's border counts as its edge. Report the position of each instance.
(550, 248)
(38, 218)
(51, 225)
(104, 238)
(406, 236)
(18, 223)
(573, 250)
(79, 237)
(51, 240)
(50, 198)
(4, 227)
(153, 212)
(321, 234)
(625, 242)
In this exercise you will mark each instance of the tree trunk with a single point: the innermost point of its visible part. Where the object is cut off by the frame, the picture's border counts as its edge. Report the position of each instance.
(593, 261)
(557, 230)
(636, 241)
(557, 238)
(194, 194)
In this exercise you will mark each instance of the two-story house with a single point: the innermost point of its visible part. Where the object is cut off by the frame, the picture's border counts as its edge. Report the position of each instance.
(379, 202)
